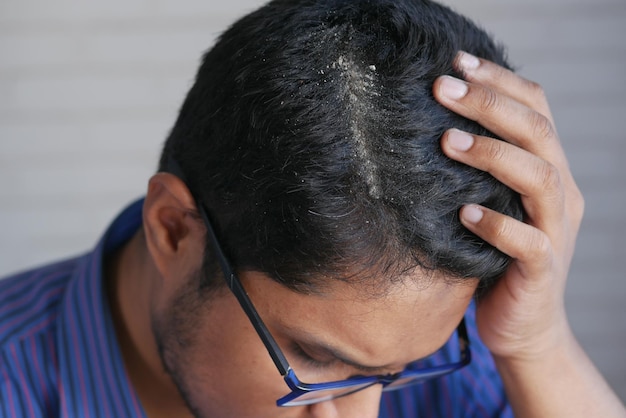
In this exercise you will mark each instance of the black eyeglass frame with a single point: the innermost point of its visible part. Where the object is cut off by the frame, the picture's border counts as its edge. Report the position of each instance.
(299, 388)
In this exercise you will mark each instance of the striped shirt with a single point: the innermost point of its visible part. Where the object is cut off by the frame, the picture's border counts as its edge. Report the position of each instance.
(59, 356)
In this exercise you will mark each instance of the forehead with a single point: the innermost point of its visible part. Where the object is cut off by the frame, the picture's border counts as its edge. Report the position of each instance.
(411, 320)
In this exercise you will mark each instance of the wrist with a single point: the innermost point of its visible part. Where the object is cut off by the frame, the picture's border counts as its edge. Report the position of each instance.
(557, 382)
(558, 346)
(527, 336)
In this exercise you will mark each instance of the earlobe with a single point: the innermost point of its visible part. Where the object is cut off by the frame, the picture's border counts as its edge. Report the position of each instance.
(172, 233)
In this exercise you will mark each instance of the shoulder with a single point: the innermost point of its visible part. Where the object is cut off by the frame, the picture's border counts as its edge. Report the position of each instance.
(29, 306)
(29, 300)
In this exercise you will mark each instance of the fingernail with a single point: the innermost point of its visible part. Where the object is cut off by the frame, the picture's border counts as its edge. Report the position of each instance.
(460, 140)
(468, 61)
(453, 88)
(472, 214)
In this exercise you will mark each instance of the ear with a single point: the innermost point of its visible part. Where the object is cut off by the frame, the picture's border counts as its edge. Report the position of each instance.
(174, 236)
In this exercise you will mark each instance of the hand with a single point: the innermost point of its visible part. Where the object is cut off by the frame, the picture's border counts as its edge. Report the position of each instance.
(524, 316)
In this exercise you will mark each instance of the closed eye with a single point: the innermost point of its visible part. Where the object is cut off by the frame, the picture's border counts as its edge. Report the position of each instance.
(308, 360)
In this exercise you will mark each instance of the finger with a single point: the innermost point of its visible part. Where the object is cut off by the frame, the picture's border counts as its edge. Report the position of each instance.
(504, 116)
(503, 81)
(535, 179)
(526, 244)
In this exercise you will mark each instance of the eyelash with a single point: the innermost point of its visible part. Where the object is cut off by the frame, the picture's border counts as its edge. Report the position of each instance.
(307, 359)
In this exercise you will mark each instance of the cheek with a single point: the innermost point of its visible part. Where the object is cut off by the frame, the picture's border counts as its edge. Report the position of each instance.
(218, 362)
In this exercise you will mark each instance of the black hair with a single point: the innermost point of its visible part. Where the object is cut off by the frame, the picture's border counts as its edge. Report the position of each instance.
(312, 136)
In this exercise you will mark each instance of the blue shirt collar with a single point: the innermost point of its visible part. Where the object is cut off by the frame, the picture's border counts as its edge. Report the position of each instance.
(92, 373)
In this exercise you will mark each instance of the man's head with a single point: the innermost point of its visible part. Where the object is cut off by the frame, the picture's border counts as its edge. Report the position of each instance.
(311, 136)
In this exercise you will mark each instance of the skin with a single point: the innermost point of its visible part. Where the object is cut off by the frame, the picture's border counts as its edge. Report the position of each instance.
(522, 321)
(221, 367)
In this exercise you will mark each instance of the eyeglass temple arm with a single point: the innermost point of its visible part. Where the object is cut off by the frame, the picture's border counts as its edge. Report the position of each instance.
(234, 284)
(464, 341)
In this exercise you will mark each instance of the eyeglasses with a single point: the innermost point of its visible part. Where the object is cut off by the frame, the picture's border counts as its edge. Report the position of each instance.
(310, 393)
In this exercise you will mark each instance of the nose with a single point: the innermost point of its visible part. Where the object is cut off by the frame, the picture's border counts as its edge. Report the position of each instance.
(362, 404)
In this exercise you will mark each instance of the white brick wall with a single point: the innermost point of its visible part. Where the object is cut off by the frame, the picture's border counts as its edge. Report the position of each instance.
(88, 91)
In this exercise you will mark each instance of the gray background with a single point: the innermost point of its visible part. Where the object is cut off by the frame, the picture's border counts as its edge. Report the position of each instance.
(89, 89)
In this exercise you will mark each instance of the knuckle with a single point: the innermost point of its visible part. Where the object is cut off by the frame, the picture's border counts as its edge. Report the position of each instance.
(542, 127)
(577, 205)
(549, 178)
(488, 101)
(495, 152)
(502, 229)
(539, 247)
(536, 89)
(580, 202)
(499, 73)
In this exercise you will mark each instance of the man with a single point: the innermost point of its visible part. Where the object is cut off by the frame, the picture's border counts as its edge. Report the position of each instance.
(324, 213)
